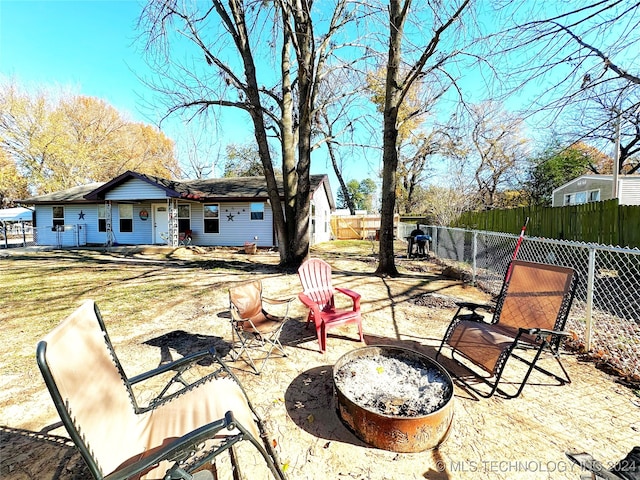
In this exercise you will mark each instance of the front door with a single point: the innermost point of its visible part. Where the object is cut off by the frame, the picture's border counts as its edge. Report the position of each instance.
(160, 224)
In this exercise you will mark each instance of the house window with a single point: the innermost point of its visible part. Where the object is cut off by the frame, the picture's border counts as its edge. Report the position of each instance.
(102, 218)
(212, 218)
(579, 198)
(184, 217)
(313, 219)
(58, 216)
(257, 211)
(126, 217)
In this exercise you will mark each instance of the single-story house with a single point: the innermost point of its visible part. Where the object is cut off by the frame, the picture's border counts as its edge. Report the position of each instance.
(139, 209)
(596, 188)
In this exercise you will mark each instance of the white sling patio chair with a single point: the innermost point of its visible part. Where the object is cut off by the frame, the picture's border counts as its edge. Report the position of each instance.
(179, 432)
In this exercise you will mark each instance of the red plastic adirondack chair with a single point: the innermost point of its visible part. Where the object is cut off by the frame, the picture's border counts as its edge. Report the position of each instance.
(319, 297)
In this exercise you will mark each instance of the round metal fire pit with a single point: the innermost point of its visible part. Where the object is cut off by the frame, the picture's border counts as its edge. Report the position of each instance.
(408, 429)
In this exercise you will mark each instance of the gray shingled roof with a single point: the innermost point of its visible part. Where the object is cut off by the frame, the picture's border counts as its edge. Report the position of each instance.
(70, 195)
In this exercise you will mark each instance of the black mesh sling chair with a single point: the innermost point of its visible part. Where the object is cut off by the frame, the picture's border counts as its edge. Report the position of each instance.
(178, 434)
(530, 314)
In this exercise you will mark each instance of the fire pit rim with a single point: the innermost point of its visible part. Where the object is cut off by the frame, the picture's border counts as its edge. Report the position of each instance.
(431, 362)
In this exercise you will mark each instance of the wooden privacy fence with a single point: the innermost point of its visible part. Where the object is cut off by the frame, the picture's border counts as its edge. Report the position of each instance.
(358, 227)
(606, 223)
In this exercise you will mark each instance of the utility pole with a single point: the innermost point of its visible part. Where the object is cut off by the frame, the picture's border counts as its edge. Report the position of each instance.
(616, 155)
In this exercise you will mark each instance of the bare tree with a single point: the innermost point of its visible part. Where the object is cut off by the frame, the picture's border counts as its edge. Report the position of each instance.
(498, 148)
(429, 57)
(608, 117)
(231, 40)
(416, 162)
(199, 154)
(445, 204)
(585, 55)
(340, 113)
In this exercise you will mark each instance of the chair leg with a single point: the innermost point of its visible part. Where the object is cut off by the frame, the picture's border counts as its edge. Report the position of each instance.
(241, 349)
(533, 365)
(237, 473)
(322, 337)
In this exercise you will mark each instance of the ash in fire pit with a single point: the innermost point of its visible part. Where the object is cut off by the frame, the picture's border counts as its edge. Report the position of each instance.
(393, 386)
(394, 398)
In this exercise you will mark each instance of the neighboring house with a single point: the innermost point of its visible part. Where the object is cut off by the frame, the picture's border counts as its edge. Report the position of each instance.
(16, 214)
(138, 209)
(15, 225)
(595, 188)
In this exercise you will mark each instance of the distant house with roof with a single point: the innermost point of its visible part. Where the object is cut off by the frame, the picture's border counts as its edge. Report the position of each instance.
(596, 188)
(139, 209)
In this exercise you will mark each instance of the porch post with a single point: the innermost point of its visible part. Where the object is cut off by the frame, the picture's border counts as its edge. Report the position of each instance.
(107, 221)
(172, 204)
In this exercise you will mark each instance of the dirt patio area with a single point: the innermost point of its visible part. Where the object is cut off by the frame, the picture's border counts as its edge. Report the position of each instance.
(496, 438)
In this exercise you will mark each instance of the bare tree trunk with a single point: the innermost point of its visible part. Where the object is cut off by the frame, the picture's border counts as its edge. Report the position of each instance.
(289, 140)
(397, 86)
(393, 97)
(343, 186)
(306, 77)
(334, 163)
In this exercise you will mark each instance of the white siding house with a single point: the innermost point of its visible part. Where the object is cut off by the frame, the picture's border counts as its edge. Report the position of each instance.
(320, 218)
(137, 209)
(595, 188)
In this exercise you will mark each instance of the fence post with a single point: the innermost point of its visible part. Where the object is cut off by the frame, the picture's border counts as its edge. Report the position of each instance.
(474, 253)
(589, 309)
(434, 240)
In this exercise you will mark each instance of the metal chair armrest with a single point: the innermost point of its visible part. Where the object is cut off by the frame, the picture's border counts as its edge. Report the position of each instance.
(182, 448)
(587, 462)
(281, 301)
(474, 306)
(176, 369)
(179, 364)
(544, 331)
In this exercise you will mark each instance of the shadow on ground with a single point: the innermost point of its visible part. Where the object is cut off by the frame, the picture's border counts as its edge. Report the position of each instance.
(25, 455)
(185, 344)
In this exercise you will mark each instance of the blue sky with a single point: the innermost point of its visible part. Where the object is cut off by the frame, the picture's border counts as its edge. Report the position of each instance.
(85, 45)
(90, 47)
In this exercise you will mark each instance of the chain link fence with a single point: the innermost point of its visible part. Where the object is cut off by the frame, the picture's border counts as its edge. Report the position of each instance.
(605, 316)
(24, 235)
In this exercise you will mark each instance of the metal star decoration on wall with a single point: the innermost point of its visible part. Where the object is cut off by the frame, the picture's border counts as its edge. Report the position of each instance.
(81, 215)
(230, 218)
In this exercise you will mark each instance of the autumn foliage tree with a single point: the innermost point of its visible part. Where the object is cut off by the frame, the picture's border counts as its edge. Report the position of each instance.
(557, 164)
(56, 141)
(12, 184)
